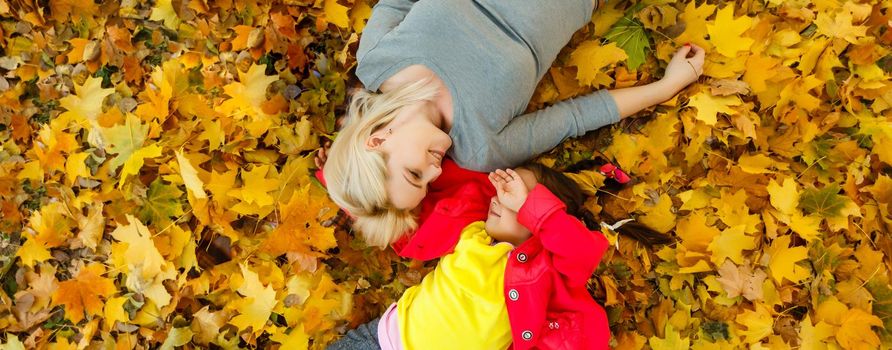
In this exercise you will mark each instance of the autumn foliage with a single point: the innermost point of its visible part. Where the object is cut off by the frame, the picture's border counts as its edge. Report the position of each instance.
(156, 188)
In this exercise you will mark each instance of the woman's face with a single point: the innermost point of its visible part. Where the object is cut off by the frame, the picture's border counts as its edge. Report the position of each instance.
(414, 148)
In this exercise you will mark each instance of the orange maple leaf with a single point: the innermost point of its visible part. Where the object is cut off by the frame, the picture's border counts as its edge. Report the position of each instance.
(82, 293)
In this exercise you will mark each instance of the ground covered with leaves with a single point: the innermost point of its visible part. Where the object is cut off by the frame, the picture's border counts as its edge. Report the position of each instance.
(156, 188)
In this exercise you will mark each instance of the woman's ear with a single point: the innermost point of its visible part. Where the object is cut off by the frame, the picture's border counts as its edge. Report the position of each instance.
(375, 140)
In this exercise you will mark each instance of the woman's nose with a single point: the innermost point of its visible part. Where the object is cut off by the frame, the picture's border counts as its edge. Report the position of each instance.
(436, 171)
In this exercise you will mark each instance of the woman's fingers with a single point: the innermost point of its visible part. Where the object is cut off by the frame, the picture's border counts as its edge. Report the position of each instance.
(683, 51)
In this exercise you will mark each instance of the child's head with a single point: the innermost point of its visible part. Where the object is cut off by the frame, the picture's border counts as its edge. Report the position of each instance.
(501, 222)
(379, 165)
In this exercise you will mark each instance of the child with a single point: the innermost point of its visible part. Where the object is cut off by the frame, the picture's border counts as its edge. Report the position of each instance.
(518, 277)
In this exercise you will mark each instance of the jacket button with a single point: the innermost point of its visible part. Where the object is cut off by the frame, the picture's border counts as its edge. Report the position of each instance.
(513, 295)
(526, 335)
(522, 257)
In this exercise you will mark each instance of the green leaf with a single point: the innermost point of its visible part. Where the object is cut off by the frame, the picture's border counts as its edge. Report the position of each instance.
(162, 202)
(826, 202)
(629, 34)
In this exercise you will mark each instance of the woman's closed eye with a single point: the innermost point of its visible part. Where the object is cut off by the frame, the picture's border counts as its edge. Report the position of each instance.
(414, 178)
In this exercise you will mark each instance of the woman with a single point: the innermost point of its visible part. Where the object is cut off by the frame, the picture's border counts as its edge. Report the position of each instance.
(455, 78)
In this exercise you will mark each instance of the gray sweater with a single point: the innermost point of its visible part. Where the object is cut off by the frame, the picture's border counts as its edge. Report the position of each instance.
(490, 54)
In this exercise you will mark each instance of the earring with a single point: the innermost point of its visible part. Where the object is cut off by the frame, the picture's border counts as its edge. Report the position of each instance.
(389, 131)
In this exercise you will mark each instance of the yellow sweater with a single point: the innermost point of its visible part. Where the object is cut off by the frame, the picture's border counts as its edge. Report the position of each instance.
(460, 305)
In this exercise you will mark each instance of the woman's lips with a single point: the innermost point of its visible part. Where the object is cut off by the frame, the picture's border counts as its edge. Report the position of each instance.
(438, 154)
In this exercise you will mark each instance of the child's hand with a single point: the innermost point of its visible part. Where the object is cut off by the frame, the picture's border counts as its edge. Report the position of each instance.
(510, 188)
(683, 70)
(322, 155)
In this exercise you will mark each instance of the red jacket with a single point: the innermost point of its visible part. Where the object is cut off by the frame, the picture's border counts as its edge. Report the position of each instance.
(545, 279)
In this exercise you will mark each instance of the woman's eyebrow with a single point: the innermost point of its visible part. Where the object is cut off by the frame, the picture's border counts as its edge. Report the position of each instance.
(407, 178)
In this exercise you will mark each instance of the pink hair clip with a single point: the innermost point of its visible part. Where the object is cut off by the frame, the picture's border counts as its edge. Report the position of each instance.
(613, 172)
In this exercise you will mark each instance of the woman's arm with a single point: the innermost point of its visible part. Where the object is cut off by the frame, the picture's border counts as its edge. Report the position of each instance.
(386, 15)
(530, 134)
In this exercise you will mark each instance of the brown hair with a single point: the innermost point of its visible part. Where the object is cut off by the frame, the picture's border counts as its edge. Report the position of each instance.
(569, 192)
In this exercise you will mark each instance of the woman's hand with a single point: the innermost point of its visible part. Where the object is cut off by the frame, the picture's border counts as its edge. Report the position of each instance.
(511, 190)
(683, 70)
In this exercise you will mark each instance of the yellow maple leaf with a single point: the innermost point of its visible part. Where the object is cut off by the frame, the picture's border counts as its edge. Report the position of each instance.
(627, 148)
(590, 57)
(138, 257)
(709, 106)
(733, 210)
(51, 224)
(163, 11)
(731, 244)
(190, 176)
(672, 340)
(32, 252)
(726, 34)
(855, 330)
(759, 324)
(360, 12)
(177, 337)
(136, 161)
(256, 187)
(811, 336)
(782, 261)
(221, 184)
(213, 133)
(659, 217)
(297, 339)
(256, 306)
(807, 226)
(694, 18)
(114, 311)
(84, 293)
(84, 107)
(784, 198)
(247, 98)
(336, 13)
(839, 25)
(695, 234)
(694, 199)
(797, 94)
(76, 166)
(755, 164)
(760, 69)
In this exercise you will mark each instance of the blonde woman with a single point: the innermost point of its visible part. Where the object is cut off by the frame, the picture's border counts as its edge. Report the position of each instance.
(452, 78)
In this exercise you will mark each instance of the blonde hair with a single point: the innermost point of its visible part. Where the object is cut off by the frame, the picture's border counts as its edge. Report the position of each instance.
(356, 176)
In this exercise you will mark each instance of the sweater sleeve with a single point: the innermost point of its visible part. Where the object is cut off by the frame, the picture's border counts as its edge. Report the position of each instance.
(386, 15)
(576, 251)
(530, 134)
